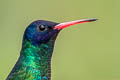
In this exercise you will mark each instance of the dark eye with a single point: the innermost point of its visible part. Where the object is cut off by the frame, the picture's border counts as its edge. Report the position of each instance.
(42, 28)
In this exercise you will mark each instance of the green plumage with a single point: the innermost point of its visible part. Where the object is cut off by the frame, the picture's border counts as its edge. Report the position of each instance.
(33, 63)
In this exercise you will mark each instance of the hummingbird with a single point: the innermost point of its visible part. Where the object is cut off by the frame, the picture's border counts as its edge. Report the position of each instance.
(34, 62)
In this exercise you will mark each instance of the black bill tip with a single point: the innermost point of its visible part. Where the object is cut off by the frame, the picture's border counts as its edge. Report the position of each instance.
(93, 19)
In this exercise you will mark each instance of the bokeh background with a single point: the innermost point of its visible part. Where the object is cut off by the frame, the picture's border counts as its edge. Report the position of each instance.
(89, 51)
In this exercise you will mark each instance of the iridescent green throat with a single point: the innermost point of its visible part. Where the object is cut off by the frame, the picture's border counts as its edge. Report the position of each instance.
(34, 62)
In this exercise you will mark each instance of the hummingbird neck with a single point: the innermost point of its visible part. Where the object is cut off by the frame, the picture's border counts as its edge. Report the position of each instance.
(35, 61)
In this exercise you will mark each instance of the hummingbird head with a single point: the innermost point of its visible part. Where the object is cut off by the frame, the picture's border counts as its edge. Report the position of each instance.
(42, 31)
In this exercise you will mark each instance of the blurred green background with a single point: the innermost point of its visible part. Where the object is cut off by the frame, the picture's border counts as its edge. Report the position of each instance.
(89, 51)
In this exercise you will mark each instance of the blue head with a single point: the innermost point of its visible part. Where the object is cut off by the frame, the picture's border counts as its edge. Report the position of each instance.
(42, 31)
